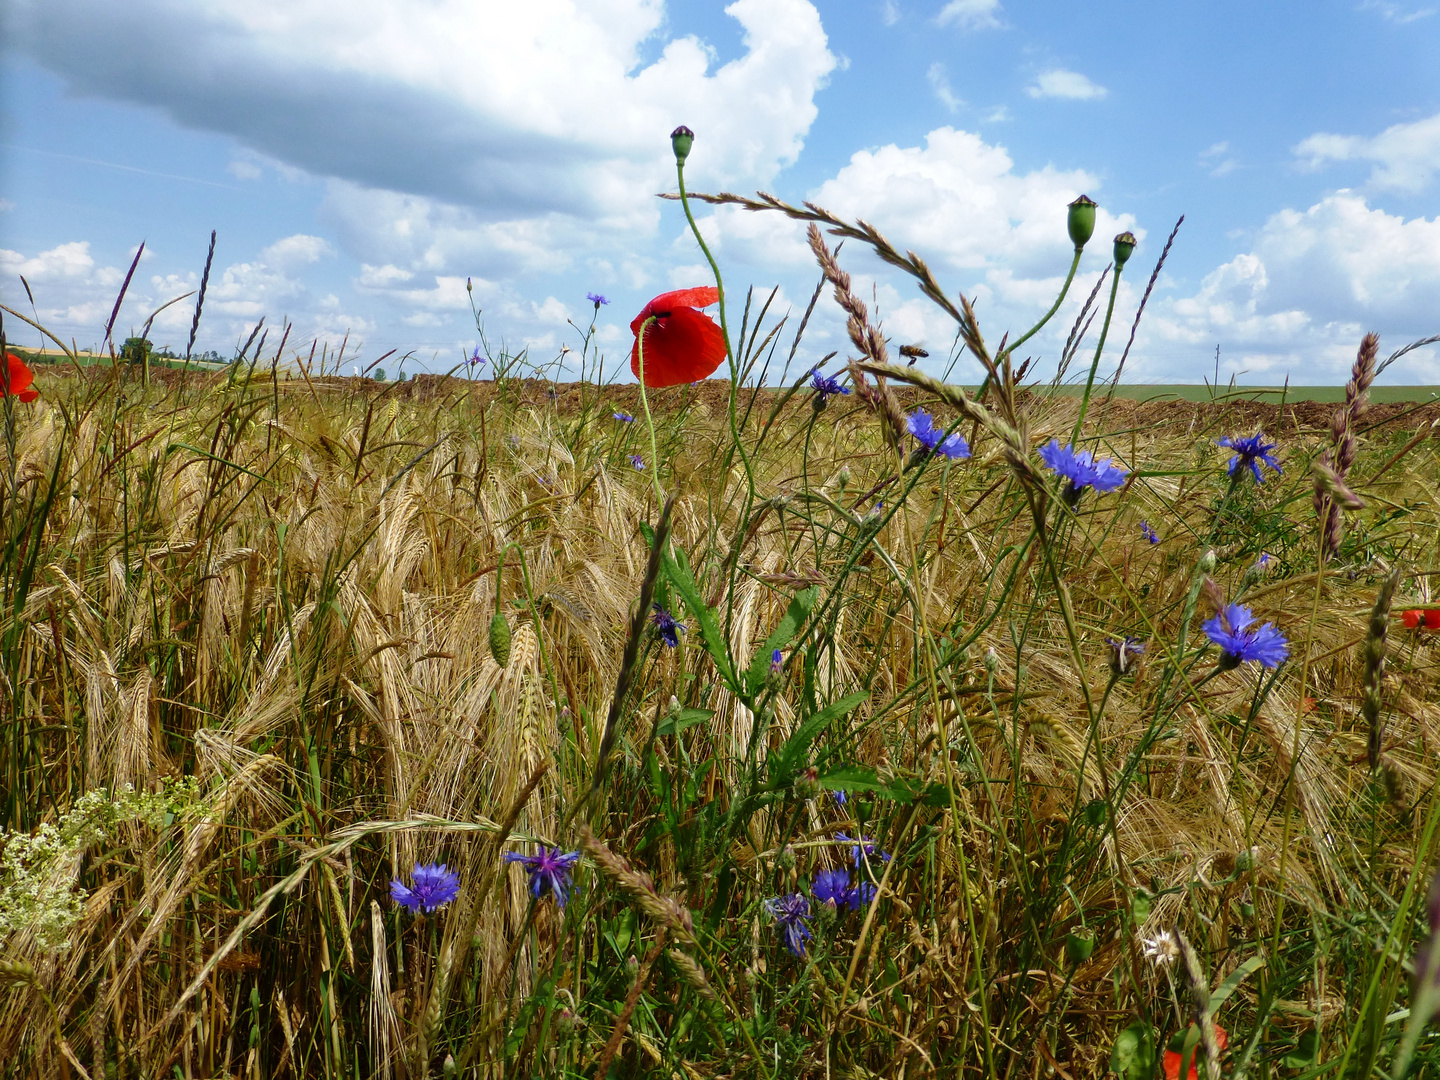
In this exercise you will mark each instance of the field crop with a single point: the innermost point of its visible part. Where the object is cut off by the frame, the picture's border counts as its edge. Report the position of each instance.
(480, 728)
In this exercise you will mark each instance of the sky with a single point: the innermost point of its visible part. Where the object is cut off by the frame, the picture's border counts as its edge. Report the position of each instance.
(360, 161)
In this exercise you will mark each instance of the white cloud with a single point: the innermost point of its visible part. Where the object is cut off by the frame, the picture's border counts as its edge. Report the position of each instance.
(890, 12)
(1311, 285)
(1406, 156)
(940, 86)
(243, 169)
(986, 229)
(509, 111)
(1070, 85)
(6, 206)
(74, 296)
(1217, 160)
(971, 14)
(296, 251)
(1394, 13)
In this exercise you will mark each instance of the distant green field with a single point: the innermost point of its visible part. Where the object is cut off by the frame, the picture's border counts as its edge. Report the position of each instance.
(1192, 392)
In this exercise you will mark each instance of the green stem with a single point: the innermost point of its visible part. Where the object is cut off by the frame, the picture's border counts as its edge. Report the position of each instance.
(645, 405)
(1095, 364)
(1074, 264)
(724, 327)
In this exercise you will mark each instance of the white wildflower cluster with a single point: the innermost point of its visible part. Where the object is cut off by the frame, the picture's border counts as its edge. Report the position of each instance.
(39, 893)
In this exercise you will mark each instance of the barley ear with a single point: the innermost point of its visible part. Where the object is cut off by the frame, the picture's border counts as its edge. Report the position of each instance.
(1375, 666)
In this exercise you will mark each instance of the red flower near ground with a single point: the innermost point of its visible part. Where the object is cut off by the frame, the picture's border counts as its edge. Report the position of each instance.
(1421, 619)
(1172, 1057)
(17, 379)
(681, 345)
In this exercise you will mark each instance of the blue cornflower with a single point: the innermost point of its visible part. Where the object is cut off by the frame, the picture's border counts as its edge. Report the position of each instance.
(670, 630)
(1249, 453)
(861, 895)
(831, 887)
(790, 913)
(840, 797)
(596, 299)
(863, 849)
(476, 360)
(549, 868)
(826, 386)
(623, 417)
(1231, 629)
(1148, 532)
(1123, 653)
(932, 436)
(435, 885)
(1082, 470)
(777, 661)
(638, 462)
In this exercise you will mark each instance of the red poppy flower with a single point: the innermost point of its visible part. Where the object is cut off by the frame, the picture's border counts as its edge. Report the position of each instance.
(1172, 1057)
(681, 345)
(1418, 618)
(19, 378)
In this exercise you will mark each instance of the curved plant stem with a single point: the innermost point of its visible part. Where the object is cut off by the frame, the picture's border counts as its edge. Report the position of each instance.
(645, 404)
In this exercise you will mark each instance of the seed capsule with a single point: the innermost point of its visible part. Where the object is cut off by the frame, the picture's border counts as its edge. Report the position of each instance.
(1081, 221)
(1124, 245)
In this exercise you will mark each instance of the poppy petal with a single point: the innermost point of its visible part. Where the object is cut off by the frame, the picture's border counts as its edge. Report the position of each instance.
(1432, 618)
(28, 395)
(698, 297)
(683, 347)
(1411, 618)
(19, 375)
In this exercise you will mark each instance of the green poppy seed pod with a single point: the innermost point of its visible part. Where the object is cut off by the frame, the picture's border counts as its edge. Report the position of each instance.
(681, 140)
(1124, 246)
(1081, 222)
(500, 639)
(1079, 946)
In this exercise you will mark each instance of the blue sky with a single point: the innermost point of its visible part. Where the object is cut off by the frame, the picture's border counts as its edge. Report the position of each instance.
(361, 160)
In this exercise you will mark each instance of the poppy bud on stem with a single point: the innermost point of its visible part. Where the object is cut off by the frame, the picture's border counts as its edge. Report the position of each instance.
(681, 139)
(1081, 222)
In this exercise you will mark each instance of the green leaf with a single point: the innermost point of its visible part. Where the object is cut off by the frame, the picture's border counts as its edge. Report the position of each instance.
(798, 745)
(1133, 1055)
(677, 571)
(1228, 987)
(854, 778)
(784, 633)
(1304, 1054)
(686, 718)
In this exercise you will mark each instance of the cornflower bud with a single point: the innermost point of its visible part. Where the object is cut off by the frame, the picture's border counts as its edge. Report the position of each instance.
(681, 140)
(1124, 246)
(1081, 222)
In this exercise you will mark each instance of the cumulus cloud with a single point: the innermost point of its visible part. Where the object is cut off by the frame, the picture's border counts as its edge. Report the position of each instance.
(1069, 85)
(1313, 282)
(971, 14)
(510, 110)
(986, 228)
(74, 296)
(1406, 156)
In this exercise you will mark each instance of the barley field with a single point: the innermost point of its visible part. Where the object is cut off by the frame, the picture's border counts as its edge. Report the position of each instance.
(498, 727)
